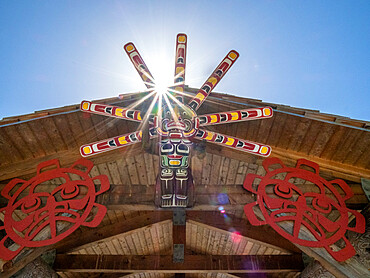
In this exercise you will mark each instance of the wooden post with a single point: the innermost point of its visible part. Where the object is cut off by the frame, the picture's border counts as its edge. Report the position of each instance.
(179, 235)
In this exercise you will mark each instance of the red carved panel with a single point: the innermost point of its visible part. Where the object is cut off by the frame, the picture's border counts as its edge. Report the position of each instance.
(37, 208)
(307, 208)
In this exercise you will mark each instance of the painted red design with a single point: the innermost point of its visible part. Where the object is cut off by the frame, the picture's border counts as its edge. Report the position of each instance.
(279, 200)
(42, 205)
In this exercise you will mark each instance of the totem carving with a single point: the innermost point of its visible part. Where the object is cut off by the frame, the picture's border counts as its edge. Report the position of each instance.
(280, 201)
(38, 208)
(176, 123)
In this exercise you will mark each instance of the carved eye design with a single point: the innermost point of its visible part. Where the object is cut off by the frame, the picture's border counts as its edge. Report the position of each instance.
(30, 204)
(167, 148)
(320, 204)
(219, 72)
(69, 191)
(206, 88)
(189, 125)
(164, 124)
(182, 149)
(179, 80)
(283, 190)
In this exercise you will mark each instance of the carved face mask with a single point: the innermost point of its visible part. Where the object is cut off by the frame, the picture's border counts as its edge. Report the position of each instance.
(178, 123)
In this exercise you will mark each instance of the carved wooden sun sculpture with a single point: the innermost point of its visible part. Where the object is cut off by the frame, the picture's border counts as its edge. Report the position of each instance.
(176, 123)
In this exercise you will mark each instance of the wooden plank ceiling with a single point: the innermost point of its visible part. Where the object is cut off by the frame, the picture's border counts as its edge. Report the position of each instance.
(339, 145)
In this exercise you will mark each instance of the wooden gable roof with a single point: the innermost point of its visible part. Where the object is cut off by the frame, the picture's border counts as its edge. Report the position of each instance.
(134, 227)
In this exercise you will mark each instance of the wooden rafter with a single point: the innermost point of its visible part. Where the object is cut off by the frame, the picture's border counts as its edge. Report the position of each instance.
(263, 234)
(209, 219)
(91, 235)
(192, 263)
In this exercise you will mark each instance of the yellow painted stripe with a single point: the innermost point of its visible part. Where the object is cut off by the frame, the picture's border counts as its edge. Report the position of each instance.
(230, 141)
(179, 89)
(209, 136)
(212, 80)
(234, 116)
(130, 47)
(264, 150)
(213, 118)
(200, 96)
(118, 112)
(85, 106)
(179, 69)
(190, 132)
(122, 140)
(182, 38)
(232, 55)
(87, 150)
(267, 111)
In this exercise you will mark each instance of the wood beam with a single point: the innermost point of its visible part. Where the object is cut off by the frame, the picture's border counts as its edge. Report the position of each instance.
(192, 263)
(263, 233)
(183, 275)
(208, 201)
(86, 236)
(290, 274)
(105, 275)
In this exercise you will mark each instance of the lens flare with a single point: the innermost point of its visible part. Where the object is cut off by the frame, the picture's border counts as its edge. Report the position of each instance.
(222, 198)
(236, 237)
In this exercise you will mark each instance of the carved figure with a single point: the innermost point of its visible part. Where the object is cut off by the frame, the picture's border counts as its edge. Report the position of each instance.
(41, 209)
(279, 201)
(176, 123)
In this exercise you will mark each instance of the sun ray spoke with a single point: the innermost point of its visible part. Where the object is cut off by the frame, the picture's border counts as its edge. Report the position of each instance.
(233, 143)
(235, 116)
(111, 143)
(111, 111)
(139, 65)
(214, 79)
(180, 64)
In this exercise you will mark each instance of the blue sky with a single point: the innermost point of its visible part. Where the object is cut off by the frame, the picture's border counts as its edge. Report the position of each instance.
(308, 54)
